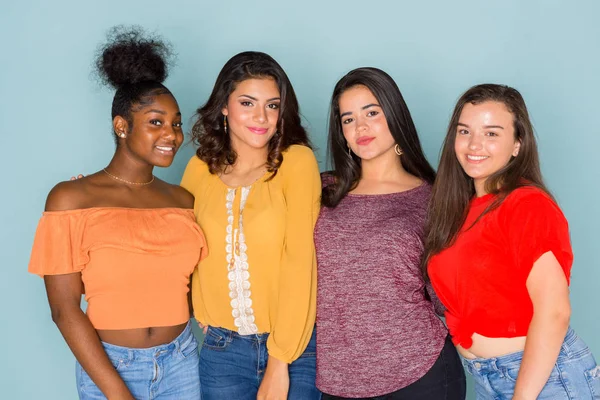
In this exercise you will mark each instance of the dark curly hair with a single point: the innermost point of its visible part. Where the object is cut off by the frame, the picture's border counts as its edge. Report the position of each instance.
(214, 146)
(135, 64)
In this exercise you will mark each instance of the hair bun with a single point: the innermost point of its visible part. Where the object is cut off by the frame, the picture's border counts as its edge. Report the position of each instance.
(130, 56)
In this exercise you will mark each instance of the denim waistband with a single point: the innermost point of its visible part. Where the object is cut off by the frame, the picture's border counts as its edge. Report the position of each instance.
(572, 347)
(227, 333)
(180, 342)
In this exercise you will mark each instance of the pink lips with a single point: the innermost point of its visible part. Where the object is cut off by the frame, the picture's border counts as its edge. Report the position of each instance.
(258, 131)
(364, 140)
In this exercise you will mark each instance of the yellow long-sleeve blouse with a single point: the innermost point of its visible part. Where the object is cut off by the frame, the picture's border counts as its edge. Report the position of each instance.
(260, 274)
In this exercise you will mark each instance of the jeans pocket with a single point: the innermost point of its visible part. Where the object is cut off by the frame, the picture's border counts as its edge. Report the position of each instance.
(189, 347)
(512, 372)
(216, 339)
(118, 360)
(592, 376)
(86, 388)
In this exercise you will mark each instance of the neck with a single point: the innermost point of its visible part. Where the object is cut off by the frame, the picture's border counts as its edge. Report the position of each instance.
(479, 187)
(386, 167)
(249, 158)
(126, 167)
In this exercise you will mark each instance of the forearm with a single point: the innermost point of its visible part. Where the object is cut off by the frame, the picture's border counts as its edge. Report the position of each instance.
(82, 339)
(544, 338)
(276, 381)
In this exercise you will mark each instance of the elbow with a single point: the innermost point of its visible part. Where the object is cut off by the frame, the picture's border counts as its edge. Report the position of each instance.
(62, 314)
(563, 315)
(560, 316)
(57, 315)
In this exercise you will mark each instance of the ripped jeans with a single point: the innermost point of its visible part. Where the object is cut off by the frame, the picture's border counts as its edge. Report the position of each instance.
(574, 376)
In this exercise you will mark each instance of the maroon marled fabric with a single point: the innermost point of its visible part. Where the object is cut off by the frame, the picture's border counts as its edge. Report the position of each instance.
(376, 332)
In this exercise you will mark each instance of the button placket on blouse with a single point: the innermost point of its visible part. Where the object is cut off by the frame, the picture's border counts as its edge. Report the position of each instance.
(239, 284)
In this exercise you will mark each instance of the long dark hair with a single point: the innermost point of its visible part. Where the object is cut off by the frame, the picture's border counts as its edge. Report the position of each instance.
(214, 145)
(453, 188)
(135, 64)
(347, 168)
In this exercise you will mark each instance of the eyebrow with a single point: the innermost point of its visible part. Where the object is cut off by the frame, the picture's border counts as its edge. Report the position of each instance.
(486, 126)
(362, 108)
(255, 99)
(154, 110)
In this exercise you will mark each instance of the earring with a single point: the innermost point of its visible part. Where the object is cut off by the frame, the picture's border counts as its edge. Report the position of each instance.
(120, 134)
(397, 149)
(349, 151)
(225, 123)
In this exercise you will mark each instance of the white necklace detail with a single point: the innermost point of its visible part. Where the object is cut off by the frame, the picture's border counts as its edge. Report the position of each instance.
(128, 182)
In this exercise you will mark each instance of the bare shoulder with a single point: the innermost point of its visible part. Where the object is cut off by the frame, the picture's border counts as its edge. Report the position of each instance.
(181, 196)
(68, 195)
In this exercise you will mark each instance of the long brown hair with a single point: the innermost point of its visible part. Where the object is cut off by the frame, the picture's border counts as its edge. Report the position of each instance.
(453, 188)
(208, 133)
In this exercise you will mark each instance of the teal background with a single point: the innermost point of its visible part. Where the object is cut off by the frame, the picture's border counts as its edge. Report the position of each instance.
(55, 120)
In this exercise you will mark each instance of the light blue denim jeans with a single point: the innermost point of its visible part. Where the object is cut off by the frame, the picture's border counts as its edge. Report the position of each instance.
(232, 366)
(574, 376)
(168, 372)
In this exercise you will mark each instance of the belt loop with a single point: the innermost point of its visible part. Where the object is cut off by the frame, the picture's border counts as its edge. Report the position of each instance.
(178, 345)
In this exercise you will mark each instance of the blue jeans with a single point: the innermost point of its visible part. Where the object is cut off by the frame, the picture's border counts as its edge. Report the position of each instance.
(232, 366)
(168, 371)
(574, 376)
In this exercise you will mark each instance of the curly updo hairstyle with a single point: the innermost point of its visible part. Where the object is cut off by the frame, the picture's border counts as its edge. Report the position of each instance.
(214, 145)
(135, 64)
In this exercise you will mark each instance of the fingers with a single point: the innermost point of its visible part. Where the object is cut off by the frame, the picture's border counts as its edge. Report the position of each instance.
(77, 177)
(203, 327)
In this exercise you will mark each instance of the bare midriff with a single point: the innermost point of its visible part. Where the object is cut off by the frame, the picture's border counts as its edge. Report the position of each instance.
(486, 347)
(141, 338)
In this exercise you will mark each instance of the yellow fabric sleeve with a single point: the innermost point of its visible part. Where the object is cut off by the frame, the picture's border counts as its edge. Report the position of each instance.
(295, 316)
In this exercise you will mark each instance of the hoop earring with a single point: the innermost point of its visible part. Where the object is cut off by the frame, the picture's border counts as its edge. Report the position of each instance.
(397, 149)
(225, 123)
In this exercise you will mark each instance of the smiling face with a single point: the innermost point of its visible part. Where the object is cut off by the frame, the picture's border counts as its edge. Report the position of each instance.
(485, 141)
(252, 113)
(364, 125)
(156, 133)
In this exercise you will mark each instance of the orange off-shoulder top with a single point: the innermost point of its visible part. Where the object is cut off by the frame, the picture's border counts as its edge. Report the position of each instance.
(135, 263)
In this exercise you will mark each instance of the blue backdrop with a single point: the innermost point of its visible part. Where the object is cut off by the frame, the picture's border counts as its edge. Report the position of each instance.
(55, 120)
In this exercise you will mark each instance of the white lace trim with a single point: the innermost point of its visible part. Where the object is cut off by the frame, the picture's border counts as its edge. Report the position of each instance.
(237, 267)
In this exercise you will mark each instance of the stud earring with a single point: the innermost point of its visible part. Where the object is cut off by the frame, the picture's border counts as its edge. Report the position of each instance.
(225, 123)
(397, 149)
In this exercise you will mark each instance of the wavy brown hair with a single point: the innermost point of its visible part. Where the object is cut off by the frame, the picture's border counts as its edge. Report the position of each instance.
(214, 145)
(453, 188)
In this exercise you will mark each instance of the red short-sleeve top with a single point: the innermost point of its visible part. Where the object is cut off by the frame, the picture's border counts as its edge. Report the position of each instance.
(481, 278)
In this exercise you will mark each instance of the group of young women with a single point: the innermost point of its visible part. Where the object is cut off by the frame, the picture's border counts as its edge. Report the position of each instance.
(254, 228)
